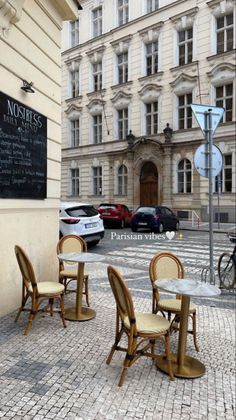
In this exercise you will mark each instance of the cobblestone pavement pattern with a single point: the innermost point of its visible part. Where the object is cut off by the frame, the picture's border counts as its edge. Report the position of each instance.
(58, 373)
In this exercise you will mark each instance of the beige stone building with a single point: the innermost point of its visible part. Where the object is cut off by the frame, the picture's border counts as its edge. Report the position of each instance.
(138, 65)
(30, 137)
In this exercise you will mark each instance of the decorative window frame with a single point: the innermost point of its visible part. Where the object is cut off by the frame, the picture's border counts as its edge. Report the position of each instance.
(220, 75)
(95, 107)
(149, 35)
(120, 101)
(95, 57)
(74, 164)
(221, 8)
(117, 165)
(184, 171)
(121, 46)
(73, 64)
(182, 21)
(148, 94)
(73, 112)
(183, 85)
(176, 159)
(10, 13)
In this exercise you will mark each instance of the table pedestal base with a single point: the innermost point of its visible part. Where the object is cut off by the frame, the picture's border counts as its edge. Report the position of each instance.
(192, 368)
(84, 315)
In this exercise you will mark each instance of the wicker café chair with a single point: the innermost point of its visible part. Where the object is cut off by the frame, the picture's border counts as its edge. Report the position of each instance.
(38, 292)
(68, 270)
(167, 265)
(141, 329)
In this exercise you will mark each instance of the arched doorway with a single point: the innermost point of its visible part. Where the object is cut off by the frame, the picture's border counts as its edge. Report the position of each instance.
(148, 184)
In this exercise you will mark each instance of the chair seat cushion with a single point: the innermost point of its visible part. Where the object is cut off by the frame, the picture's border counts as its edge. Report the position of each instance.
(149, 323)
(70, 273)
(174, 305)
(49, 288)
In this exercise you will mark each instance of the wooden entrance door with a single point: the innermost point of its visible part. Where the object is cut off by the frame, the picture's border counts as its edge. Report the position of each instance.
(148, 185)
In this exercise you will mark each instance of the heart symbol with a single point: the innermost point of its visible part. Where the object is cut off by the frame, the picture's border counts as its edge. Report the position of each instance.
(170, 235)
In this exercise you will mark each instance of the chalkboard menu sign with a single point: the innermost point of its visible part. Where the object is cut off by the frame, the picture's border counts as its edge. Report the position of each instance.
(23, 150)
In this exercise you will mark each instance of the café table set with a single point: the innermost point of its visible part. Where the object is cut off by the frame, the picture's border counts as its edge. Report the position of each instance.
(183, 366)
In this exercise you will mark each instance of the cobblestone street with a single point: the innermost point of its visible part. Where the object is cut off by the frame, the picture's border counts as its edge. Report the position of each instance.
(58, 373)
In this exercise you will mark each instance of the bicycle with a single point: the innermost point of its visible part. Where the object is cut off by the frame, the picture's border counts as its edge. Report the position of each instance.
(227, 265)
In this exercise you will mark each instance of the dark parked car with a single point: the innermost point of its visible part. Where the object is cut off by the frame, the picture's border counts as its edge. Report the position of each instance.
(117, 214)
(155, 218)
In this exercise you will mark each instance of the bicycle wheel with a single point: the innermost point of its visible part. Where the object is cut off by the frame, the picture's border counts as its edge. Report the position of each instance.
(226, 271)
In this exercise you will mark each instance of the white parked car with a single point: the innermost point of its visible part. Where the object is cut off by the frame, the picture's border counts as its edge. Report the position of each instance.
(81, 219)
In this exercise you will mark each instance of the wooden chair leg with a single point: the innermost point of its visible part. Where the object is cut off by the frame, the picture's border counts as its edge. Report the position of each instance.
(195, 331)
(24, 300)
(114, 347)
(128, 359)
(32, 315)
(51, 301)
(62, 310)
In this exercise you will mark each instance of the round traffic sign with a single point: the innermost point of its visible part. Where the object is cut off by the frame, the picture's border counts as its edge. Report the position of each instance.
(201, 160)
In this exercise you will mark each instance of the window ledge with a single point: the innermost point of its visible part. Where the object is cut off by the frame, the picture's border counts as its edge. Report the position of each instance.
(98, 92)
(76, 98)
(159, 74)
(193, 63)
(183, 194)
(223, 54)
(183, 130)
(130, 82)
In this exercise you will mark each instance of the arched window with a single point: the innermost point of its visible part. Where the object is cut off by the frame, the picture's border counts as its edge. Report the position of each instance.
(122, 180)
(184, 173)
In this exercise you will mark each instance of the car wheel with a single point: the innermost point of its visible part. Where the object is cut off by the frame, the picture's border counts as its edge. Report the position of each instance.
(93, 243)
(161, 228)
(134, 228)
(177, 226)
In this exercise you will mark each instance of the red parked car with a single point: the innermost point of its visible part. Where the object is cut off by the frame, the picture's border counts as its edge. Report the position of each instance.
(117, 214)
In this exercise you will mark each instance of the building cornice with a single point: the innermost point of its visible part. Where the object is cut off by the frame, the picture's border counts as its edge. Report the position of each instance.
(132, 22)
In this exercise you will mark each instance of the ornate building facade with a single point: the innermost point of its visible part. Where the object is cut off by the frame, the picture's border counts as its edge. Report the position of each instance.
(131, 70)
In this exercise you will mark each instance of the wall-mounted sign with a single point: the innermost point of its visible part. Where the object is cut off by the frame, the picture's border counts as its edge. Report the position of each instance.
(23, 150)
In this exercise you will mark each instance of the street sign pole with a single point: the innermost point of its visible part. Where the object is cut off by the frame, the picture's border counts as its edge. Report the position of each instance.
(208, 122)
(209, 139)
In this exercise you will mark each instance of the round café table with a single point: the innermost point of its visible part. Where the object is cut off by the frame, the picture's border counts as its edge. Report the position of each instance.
(185, 366)
(79, 312)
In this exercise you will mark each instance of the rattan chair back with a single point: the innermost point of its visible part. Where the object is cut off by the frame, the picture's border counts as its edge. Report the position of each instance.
(71, 243)
(121, 294)
(165, 265)
(26, 268)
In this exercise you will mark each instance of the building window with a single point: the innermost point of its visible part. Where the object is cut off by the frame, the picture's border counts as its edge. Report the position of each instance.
(224, 99)
(123, 11)
(74, 77)
(225, 176)
(74, 181)
(97, 180)
(74, 31)
(152, 5)
(97, 76)
(185, 44)
(152, 58)
(97, 129)
(97, 21)
(122, 123)
(123, 68)
(152, 118)
(184, 176)
(184, 111)
(224, 33)
(122, 180)
(74, 130)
